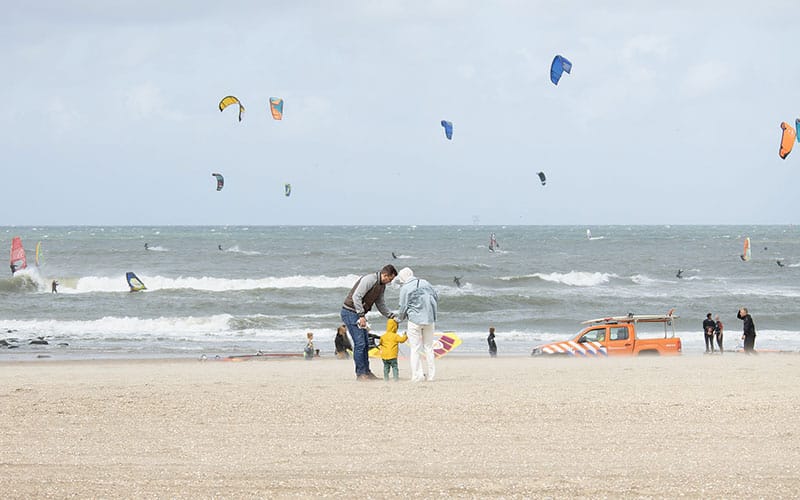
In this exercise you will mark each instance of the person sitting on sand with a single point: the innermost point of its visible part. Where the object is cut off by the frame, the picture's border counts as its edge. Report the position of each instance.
(342, 344)
(389, 347)
(308, 351)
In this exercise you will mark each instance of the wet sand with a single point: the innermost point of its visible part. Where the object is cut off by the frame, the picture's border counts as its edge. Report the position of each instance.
(694, 426)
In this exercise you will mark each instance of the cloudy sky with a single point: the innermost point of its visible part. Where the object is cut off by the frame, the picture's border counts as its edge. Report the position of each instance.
(671, 114)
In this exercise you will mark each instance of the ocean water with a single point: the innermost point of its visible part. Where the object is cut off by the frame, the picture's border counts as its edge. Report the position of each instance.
(268, 286)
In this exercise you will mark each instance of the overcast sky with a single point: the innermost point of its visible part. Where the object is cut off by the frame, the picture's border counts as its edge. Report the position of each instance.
(671, 114)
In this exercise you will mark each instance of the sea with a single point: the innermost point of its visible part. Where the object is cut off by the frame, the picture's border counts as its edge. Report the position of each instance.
(229, 290)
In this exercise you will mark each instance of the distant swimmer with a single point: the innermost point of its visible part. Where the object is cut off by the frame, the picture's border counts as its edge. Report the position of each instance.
(680, 272)
(54, 287)
(457, 281)
(394, 256)
(779, 262)
(147, 246)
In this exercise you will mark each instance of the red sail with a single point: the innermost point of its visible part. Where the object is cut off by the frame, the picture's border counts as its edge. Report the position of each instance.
(18, 260)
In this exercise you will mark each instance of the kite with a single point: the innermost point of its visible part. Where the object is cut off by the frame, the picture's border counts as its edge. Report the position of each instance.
(220, 181)
(787, 140)
(542, 178)
(559, 66)
(276, 107)
(448, 129)
(227, 101)
(797, 128)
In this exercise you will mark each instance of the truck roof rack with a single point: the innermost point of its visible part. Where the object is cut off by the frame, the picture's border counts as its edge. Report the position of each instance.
(634, 318)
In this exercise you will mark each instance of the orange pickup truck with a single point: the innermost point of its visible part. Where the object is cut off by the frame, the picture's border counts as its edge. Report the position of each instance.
(637, 335)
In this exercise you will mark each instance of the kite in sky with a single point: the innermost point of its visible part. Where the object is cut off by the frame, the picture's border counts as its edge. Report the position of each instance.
(220, 181)
(227, 101)
(559, 66)
(448, 129)
(787, 140)
(276, 107)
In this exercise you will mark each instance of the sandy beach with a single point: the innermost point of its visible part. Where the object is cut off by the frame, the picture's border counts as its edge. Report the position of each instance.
(694, 426)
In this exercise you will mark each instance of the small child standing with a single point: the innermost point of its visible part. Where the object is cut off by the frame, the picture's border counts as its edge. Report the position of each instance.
(389, 347)
(308, 352)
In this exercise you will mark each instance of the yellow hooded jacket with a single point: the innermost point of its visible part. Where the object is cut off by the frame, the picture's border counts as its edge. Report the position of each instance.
(390, 340)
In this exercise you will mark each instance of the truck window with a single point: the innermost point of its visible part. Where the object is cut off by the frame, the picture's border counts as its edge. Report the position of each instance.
(619, 333)
(598, 335)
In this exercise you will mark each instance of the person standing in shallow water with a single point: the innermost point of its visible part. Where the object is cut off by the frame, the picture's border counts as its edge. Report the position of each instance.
(748, 331)
(492, 344)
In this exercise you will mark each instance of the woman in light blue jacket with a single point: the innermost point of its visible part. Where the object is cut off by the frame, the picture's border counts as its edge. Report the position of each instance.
(419, 303)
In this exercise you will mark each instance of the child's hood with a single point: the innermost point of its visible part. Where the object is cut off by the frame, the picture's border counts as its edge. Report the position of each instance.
(391, 326)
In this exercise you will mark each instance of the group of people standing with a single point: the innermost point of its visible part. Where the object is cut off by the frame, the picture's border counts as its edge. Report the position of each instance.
(419, 304)
(713, 329)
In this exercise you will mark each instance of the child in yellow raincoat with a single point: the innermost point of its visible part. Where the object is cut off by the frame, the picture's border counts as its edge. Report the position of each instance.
(389, 347)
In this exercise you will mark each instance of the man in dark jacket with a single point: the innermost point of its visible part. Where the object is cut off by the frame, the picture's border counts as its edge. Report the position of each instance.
(367, 291)
(492, 344)
(748, 331)
(708, 333)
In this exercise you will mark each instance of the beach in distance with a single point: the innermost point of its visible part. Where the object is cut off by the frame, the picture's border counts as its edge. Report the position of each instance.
(508, 427)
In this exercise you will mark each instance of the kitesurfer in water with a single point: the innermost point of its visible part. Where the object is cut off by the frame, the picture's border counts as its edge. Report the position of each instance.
(220, 247)
(147, 246)
(680, 272)
(780, 264)
(54, 287)
(457, 281)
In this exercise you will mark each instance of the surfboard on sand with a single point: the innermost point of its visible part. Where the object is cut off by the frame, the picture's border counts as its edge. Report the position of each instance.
(258, 355)
(442, 344)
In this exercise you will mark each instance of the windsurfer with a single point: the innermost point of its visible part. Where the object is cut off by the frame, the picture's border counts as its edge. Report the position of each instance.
(457, 281)
(13, 269)
(147, 246)
(220, 247)
(54, 287)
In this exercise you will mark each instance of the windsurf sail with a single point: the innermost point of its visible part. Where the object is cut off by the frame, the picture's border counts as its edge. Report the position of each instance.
(588, 234)
(37, 260)
(746, 250)
(134, 282)
(493, 245)
(18, 260)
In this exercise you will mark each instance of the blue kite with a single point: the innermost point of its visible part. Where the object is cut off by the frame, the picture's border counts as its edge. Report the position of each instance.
(559, 66)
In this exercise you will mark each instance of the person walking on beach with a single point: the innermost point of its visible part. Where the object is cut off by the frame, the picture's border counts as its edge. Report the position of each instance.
(389, 348)
(492, 344)
(419, 303)
(718, 332)
(367, 291)
(341, 344)
(748, 330)
(708, 333)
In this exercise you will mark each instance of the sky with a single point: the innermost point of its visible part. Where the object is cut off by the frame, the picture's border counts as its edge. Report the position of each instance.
(671, 114)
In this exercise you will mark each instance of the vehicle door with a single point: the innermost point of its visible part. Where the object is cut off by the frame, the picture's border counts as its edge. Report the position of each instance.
(620, 339)
(594, 339)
